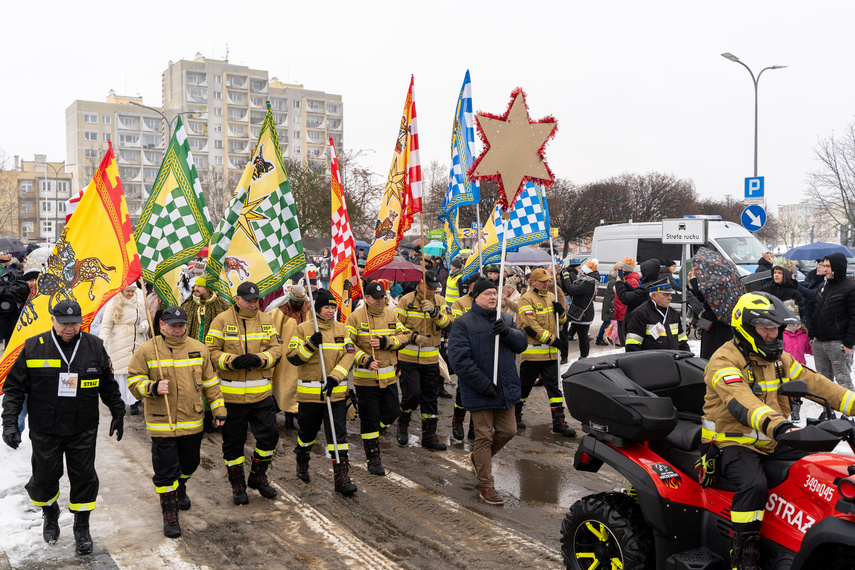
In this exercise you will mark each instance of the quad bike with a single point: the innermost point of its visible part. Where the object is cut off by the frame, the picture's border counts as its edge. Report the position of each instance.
(641, 414)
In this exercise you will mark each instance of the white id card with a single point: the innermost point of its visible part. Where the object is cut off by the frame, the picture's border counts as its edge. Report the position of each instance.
(67, 385)
(657, 330)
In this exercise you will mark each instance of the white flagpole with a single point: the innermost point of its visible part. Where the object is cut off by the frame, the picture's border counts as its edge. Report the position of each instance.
(323, 367)
(555, 290)
(478, 234)
(505, 217)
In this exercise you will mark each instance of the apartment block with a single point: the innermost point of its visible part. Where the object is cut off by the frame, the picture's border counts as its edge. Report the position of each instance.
(223, 106)
(32, 203)
(137, 136)
(807, 222)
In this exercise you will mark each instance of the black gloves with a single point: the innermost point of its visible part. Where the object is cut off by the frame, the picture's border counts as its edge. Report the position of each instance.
(331, 383)
(117, 426)
(556, 342)
(558, 308)
(500, 327)
(11, 436)
(315, 340)
(369, 361)
(246, 361)
(490, 391)
(383, 342)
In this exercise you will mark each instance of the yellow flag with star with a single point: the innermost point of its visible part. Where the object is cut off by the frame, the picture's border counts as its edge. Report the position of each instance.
(258, 239)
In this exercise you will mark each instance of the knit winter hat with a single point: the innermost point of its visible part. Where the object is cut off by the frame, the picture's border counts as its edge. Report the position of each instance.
(482, 285)
(201, 281)
(627, 264)
(323, 298)
(590, 265)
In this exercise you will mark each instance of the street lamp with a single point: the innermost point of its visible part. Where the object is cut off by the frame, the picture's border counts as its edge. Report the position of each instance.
(169, 123)
(755, 80)
(56, 194)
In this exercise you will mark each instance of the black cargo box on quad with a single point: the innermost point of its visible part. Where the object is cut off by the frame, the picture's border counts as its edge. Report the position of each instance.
(636, 396)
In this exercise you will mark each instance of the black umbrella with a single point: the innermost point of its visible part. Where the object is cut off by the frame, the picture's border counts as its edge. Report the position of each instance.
(719, 281)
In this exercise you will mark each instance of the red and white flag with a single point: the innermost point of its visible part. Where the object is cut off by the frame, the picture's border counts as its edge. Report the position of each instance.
(344, 280)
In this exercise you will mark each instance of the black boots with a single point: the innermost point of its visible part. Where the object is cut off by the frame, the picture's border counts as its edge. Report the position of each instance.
(303, 463)
(183, 500)
(289, 421)
(50, 530)
(559, 425)
(258, 478)
(403, 425)
(745, 550)
(82, 538)
(372, 455)
(341, 474)
(518, 413)
(429, 438)
(796, 408)
(169, 507)
(238, 484)
(457, 423)
(471, 433)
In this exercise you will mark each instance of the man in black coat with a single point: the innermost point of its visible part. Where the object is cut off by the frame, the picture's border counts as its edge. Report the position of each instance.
(654, 325)
(63, 372)
(634, 297)
(832, 326)
(471, 349)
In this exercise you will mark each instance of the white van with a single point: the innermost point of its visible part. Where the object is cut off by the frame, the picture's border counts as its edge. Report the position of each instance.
(643, 241)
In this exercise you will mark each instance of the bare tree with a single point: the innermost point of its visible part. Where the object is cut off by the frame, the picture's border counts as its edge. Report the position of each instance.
(434, 189)
(8, 198)
(791, 232)
(832, 184)
(218, 185)
(362, 190)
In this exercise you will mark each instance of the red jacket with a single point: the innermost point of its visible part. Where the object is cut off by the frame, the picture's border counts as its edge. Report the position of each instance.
(620, 308)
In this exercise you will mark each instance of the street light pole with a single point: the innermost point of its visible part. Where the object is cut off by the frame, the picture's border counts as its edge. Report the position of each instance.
(55, 194)
(755, 81)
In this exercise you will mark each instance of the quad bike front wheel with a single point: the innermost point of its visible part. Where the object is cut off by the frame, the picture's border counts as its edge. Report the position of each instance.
(606, 532)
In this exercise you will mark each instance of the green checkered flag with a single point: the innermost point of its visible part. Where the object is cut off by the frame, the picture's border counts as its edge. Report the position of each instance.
(175, 224)
(259, 238)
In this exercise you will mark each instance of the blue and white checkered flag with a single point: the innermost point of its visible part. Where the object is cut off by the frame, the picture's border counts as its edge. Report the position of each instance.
(461, 190)
(528, 224)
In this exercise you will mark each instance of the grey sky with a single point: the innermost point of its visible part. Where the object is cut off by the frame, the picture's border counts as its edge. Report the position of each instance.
(635, 86)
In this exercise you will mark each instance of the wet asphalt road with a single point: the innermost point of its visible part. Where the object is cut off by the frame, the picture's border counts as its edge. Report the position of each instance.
(426, 512)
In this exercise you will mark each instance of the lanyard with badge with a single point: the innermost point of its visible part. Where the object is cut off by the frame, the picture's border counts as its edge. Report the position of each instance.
(658, 329)
(67, 380)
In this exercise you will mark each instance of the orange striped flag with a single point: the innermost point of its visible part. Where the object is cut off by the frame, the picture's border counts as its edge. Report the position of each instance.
(95, 258)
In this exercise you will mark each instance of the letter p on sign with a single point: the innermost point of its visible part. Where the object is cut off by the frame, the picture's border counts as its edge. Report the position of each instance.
(754, 187)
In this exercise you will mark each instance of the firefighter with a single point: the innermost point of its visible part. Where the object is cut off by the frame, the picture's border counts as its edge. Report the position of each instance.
(378, 336)
(316, 385)
(245, 346)
(176, 368)
(536, 313)
(460, 307)
(423, 312)
(62, 373)
(453, 281)
(744, 414)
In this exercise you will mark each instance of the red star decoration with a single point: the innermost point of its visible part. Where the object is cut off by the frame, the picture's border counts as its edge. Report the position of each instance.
(513, 149)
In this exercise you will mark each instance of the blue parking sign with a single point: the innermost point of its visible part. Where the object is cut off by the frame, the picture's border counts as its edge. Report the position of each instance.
(754, 187)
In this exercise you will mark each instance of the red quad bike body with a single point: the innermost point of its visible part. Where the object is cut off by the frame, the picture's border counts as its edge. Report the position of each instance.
(641, 414)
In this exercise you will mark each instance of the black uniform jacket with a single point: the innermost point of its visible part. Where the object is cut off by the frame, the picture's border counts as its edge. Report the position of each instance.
(36, 373)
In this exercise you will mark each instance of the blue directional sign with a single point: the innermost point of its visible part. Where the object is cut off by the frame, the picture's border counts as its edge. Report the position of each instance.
(754, 187)
(753, 218)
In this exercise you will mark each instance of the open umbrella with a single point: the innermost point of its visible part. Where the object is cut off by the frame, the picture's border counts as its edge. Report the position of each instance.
(362, 245)
(719, 281)
(528, 256)
(434, 248)
(408, 245)
(397, 271)
(818, 250)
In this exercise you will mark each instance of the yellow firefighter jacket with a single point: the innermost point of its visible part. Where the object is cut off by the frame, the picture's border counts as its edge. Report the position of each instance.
(236, 332)
(338, 358)
(742, 404)
(186, 364)
(536, 317)
(364, 323)
(410, 315)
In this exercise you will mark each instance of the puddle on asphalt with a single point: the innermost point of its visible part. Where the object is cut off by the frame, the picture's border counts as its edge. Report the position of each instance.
(536, 482)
